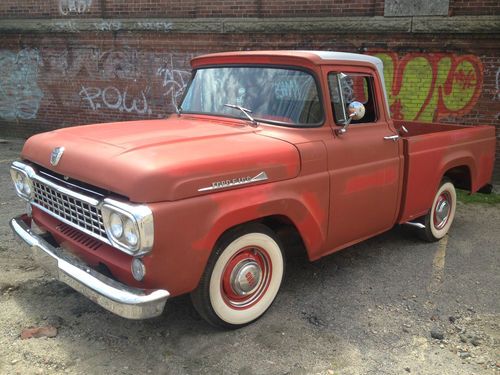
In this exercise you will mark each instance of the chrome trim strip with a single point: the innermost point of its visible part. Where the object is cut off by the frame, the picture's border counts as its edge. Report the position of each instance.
(125, 301)
(341, 94)
(71, 184)
(392, 137)
(34, 176)
(16, 167)
(142, 216)
(61, 189)
(262, 176)
(414, 224)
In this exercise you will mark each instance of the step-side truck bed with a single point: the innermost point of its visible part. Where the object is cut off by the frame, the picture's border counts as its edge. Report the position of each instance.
(432, 151)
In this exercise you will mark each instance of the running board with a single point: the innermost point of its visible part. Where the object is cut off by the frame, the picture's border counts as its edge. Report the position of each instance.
(413, 224)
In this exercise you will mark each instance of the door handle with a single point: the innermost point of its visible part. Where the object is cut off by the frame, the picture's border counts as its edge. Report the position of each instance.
(392, 137)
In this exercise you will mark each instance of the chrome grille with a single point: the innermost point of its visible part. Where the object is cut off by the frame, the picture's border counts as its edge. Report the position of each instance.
(79, 213)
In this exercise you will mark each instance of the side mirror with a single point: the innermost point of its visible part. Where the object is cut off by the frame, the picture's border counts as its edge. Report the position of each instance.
(355, 111)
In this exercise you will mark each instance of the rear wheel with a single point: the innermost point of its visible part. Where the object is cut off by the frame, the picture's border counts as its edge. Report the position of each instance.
(439, 219)
(242, 277)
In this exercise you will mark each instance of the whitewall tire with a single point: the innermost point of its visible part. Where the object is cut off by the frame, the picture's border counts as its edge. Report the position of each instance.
(440, 217)
(242, 277)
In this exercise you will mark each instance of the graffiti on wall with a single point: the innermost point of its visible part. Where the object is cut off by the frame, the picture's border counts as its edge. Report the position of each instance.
(124, 79)
(155, 25)
(174, 81)
(20, 95)
(94, 63)
(424, 87)
(68, 7)
(497, 85)
(114, 98)
(428, 87)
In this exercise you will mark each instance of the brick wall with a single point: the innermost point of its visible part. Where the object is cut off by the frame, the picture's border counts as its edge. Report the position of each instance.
(218, 8)
(474, 8)
(188, 8)
(72, 66)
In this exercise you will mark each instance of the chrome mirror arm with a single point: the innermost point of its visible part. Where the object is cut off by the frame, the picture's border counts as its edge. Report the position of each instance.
(343, 129)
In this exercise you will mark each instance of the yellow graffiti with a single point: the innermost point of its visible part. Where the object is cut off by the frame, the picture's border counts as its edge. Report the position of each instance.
(428, 87)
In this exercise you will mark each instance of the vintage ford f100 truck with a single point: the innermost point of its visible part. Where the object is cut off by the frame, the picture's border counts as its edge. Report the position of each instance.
(265, 146)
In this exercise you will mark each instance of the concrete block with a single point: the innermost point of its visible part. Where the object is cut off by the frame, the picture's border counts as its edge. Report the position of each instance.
(402, 8)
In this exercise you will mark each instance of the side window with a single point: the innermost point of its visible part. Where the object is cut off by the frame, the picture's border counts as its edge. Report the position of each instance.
(345, 89)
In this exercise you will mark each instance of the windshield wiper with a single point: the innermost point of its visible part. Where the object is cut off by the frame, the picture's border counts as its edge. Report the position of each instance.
(246, 111)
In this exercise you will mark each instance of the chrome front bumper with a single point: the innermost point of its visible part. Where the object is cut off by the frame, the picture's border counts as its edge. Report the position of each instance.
(131, 303)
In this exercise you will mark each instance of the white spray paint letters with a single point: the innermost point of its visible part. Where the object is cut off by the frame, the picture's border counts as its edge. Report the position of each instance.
(125, 80)
(497, 85)
(20, 95)
(497, 90)
(113, 98)
(68, 7)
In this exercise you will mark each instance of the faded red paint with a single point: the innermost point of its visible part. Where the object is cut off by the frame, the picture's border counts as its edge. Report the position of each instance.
(336, 190)
(380, 177)
(430, 153)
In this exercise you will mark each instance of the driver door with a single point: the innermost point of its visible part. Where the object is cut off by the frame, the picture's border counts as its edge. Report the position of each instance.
(365, 168)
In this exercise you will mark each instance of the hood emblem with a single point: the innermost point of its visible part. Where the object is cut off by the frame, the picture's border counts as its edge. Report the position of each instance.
(262, 176)
(56, 155)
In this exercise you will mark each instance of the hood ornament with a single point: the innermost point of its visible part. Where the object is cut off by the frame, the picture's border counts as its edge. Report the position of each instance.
(56, 155)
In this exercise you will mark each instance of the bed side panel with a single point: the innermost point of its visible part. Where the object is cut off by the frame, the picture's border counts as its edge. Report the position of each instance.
(430, 156)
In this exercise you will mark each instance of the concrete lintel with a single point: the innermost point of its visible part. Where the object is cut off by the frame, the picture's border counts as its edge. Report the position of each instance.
(184, 25)
(337, 25)
(461, 25)
(319, 25)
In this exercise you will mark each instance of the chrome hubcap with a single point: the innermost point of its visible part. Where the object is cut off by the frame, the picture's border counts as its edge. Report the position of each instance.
(245, 277)
(442, 211)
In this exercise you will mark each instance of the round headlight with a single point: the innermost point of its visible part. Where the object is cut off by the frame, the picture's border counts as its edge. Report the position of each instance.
(26, 187)
(130, 233)
(116, 225)
(18, 178)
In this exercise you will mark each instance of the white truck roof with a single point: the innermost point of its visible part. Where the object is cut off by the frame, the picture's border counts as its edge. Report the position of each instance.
(346, 56)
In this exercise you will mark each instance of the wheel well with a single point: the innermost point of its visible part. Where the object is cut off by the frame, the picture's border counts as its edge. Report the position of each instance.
(290, 237)
(461, 177)
(284, 228)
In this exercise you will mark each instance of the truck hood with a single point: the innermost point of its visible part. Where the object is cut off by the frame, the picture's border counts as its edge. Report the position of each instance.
(166, 160)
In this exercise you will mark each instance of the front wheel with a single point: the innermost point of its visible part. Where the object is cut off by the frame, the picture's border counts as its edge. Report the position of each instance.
(242, 277)
(439, 219)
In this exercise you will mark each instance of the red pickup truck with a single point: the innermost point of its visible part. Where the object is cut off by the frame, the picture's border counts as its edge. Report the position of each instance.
(265, 146)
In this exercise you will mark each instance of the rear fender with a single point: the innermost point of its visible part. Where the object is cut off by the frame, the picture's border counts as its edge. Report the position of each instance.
(462, 161)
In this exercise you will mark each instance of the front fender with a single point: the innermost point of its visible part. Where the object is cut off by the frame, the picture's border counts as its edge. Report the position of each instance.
(186, 231)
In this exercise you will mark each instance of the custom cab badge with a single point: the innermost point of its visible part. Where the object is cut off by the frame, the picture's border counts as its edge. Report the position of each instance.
(262, 176)
(56, 155)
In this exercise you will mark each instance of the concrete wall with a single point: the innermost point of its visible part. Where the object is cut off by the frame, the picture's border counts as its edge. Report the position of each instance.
(68, 62)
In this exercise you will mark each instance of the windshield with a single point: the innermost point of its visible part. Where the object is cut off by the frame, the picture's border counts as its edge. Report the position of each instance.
(286, 96)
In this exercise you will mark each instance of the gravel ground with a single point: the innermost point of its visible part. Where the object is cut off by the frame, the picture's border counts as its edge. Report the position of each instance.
(371, 309)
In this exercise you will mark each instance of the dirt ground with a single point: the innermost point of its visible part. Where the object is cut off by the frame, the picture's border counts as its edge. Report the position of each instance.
(370, 309)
